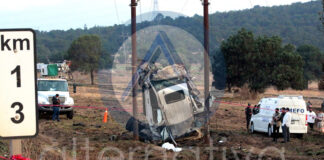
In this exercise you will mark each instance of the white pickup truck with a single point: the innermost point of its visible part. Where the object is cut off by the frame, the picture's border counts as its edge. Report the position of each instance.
(47, 88)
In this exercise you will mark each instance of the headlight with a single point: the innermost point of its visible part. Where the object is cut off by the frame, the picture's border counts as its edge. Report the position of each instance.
(69, 101)
(42, 101)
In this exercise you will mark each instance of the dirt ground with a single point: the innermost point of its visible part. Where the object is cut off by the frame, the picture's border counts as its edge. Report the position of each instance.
(87, 137)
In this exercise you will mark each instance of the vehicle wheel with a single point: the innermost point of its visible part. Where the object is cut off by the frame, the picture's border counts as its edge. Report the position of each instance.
(269, 131)
(252, 128)
(69, 115)
(130, 124)
(300, 136)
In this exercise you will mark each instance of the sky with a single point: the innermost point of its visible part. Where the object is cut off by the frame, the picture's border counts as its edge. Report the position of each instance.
(46, 15)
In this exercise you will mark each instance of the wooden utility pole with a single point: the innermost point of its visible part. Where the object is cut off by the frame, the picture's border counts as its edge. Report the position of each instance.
(206, 67)
(322, 14)
(134, 67)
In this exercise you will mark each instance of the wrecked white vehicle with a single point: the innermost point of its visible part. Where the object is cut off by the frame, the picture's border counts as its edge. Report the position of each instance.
(170, 103)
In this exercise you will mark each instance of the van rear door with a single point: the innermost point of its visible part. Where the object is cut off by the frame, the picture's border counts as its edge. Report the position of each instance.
(298, 119)
(297, 108)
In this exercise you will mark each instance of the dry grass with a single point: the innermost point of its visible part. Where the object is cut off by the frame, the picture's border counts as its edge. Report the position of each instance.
(229, 120)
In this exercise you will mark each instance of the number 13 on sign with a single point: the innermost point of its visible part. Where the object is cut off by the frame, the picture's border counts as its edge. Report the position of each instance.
(18, 99)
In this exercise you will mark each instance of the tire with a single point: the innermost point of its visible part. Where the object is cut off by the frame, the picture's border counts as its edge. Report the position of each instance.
(252, 128)
(130, 124)
(269, 131)
(69, 115)
(300, 136)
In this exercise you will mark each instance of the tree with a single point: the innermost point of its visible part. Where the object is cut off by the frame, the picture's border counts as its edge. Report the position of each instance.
(288, 71)
(84, 53)
(261, 62)
(235, 50)
(218, 69)
(313, 61)
(296, 24)
(105, 61)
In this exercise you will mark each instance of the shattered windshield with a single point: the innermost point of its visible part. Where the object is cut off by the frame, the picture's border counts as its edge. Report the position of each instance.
(161, 84)
(52, 85)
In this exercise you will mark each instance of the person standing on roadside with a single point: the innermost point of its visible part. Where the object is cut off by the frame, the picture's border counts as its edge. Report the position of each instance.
(282, 110)
(309, 104)
(285, 126)
(276, 124)
(282, 115)
(56, 109)
(248, 115)
(311, 116)
(320, 123)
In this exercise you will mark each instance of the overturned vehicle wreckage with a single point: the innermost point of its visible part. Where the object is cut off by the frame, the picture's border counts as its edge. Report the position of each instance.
(171, 104)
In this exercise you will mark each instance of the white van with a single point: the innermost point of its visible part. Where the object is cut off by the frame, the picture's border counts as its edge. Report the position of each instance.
(261, 120)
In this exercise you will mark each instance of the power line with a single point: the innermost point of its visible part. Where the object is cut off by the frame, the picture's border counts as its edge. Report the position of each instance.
(184, 5)
(155, 6)
(267, 3)
(140, 5)
(115, 4)
(251, 4)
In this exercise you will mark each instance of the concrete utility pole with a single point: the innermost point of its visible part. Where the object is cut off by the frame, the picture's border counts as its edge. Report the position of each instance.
(206, 66)
(134, 67)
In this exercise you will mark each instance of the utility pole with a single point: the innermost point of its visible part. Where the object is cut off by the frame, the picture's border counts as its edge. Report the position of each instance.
(206, 67)
(322, 14)
(155, 6)
(134, 67)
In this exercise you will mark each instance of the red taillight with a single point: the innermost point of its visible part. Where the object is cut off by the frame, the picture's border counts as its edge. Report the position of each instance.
(306, 120)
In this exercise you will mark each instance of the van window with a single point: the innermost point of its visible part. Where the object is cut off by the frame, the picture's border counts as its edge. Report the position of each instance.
(174, 97)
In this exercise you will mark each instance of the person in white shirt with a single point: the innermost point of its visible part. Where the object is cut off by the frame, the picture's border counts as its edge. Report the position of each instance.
(320, 118)
(311, 116)
(285, 126)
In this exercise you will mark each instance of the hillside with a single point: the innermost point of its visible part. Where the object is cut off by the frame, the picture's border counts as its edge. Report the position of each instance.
(297, 24)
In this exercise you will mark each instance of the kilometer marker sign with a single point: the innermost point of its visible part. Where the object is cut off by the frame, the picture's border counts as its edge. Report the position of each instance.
(18, 95)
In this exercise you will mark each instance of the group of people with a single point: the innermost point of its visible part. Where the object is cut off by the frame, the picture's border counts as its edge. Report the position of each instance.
(249, 112)
(312, 117)
(282, 118)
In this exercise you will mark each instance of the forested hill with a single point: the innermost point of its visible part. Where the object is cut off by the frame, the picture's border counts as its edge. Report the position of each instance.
(297, 24)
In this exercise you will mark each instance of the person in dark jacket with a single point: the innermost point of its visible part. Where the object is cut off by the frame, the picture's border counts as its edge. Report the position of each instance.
(309, 104)
(283, 111)
(255, 109)
(56, 109)
(276, 124)
(248, 115)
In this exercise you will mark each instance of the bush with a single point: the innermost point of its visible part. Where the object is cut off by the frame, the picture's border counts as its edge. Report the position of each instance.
(321, 84)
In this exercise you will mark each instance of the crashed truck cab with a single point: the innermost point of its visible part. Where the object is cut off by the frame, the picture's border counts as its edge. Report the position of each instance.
(170, 103)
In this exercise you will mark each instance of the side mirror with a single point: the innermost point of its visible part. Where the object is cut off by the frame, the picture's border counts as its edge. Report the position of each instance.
(74, 88)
